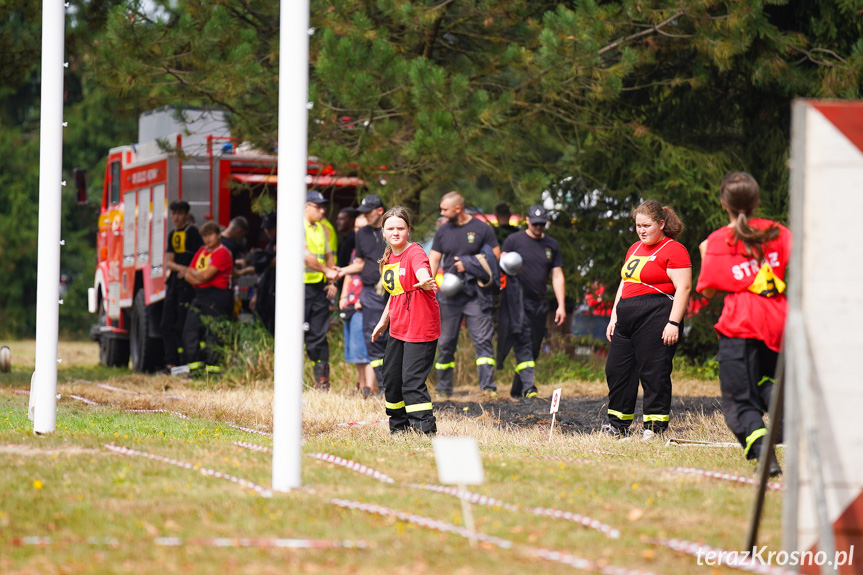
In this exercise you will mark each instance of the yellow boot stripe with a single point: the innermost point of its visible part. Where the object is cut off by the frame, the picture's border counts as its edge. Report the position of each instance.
(418, 407)
(752, 437)
(525, 365)
(621, 416)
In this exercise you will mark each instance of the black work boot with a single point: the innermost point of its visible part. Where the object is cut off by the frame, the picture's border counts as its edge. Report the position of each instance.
(322, 376)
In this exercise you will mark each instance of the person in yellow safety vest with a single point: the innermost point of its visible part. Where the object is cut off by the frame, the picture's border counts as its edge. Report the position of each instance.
(319, 278)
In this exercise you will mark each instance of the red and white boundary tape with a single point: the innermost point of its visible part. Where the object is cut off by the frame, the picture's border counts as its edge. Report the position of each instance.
(356, 423)
(727, 477)
(744, 564)
(250, 430)
(262, 491)
(422, 521)
(258, 542)
(469, 496)
(352, 465)
(547, 554)
(252, 446)
(21, 391)
(475, 498)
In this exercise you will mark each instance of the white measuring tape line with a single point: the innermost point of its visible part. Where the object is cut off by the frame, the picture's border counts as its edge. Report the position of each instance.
(547, 554)
(262, 491)
(177, 413)
(257, 542)
(21, 391)
(728, 477)
(735, 562)
(356, 423)
(84, 399)
(120, 389)
(352, 465)
(559, 458)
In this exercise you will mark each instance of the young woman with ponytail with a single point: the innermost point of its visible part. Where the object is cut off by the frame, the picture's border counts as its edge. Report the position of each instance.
(413, 317)
(646, 322)
(747, 258)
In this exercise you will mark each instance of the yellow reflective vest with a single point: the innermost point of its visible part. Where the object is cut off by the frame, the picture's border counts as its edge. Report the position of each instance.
(316, 245)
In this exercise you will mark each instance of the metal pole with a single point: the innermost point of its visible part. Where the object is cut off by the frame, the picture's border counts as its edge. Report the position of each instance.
(290, 291)
(43, 384)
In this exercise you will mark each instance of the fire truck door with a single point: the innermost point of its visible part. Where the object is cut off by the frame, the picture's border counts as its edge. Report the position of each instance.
(127, 267)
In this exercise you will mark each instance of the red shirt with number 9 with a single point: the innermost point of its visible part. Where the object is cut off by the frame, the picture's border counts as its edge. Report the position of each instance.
(414, 312)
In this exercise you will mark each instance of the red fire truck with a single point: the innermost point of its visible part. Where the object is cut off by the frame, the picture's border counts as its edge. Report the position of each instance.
(183, 155)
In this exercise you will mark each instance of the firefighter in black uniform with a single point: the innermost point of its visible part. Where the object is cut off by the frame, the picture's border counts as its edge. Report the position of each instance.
(369, 246)
(183, 242)
(460, 236)
(522, 327)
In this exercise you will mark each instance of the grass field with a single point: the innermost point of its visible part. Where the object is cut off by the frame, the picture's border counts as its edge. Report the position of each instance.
(110, 513)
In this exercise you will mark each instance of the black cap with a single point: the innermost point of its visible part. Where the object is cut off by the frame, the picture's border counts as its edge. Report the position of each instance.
(269, 221)
(537, 214)
(369, 203)
(316, 197)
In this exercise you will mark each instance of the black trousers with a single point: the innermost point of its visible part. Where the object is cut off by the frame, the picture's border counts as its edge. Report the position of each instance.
(317, 318)
(481, 329)
(406, 368)
(746, 371)
(178, 296)
(527, 346)
(373, 307)
(199, 343)
(638, 353)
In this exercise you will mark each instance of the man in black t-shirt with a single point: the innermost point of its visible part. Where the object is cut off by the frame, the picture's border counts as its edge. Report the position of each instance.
(463, 235)
(540, 259)
(183, 242)
(369, 247)
(504, 229)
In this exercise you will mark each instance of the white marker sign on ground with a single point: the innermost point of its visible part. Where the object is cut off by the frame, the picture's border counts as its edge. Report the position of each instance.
(555, 404)
(459, 463)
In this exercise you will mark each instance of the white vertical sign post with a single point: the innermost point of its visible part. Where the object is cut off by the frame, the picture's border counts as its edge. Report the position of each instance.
(555, 404)
(43, 384)
(293, 154)
(459, 463)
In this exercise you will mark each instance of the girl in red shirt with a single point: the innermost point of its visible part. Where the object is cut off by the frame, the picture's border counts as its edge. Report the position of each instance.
(210, 275)
(747, 258)
(413, 317)
(646, 321)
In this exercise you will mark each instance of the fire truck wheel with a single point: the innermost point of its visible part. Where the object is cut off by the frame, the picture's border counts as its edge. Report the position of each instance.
(147, 352)
(113, 351)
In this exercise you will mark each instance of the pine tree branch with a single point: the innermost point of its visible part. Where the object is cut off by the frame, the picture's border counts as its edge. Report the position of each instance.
(651, 30)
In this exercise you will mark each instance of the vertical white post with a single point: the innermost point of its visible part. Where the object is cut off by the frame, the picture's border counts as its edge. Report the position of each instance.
(43, 384)
(290, 291)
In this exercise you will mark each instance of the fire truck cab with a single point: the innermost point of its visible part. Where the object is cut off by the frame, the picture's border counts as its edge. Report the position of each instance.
(186, 155)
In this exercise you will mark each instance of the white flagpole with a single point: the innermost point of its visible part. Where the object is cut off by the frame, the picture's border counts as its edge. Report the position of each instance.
(290, 291)
(43, 384)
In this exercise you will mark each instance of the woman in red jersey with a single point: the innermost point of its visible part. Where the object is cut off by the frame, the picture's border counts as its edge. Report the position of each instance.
(747, 258)
(413, 317)
(646, 321)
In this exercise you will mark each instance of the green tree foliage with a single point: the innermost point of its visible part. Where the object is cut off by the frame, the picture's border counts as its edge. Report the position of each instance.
(599, 104)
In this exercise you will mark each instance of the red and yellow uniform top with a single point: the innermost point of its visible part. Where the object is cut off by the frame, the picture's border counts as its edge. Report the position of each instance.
(414, 312)
(756, 306)
(645, 269)
(219, 258)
